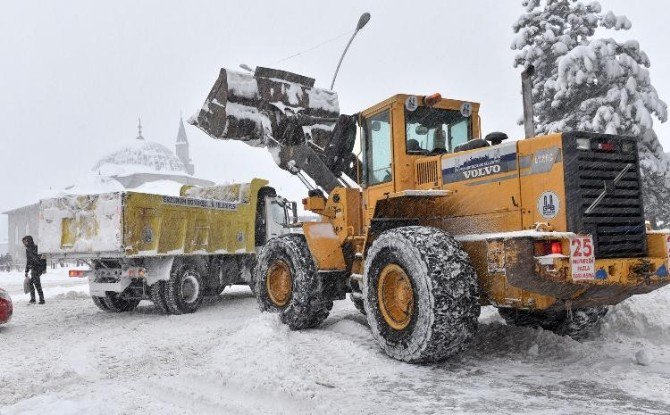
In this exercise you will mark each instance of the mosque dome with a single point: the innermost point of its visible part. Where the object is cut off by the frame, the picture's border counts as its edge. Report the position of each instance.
(140, 156)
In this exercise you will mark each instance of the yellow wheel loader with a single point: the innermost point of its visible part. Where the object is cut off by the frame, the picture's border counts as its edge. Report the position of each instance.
(424, 220)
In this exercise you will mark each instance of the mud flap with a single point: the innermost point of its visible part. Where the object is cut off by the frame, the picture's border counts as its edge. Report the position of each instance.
(158, 269)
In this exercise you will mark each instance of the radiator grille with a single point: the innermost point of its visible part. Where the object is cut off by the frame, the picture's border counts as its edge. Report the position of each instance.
(426, 172)
(617, 222)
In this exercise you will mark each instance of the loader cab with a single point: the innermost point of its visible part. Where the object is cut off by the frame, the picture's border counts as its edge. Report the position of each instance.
(403, 139)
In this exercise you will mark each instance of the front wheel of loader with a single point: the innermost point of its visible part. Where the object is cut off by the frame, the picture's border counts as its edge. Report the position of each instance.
(421, 294)
(287, 282)
(577, 327)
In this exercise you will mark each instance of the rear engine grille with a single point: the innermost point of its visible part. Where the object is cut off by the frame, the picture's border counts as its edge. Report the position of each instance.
(426, 172)
(617, 222)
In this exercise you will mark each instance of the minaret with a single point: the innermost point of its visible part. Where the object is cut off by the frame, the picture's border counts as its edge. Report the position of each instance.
(181, 147)
(139, 129)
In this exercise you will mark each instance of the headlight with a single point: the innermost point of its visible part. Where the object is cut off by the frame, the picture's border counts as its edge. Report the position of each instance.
(583, 144)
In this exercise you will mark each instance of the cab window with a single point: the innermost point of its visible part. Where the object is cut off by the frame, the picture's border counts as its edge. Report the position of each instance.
(435, 131)
(377, 149)
(278, 213)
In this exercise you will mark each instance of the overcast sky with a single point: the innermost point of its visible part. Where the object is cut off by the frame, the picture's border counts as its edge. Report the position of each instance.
(75, 75)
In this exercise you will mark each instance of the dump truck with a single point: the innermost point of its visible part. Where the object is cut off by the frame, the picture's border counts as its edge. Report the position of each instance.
(172, 250)
(424, 220)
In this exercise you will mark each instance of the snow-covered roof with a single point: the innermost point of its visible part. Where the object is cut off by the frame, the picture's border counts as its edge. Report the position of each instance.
(140, 156)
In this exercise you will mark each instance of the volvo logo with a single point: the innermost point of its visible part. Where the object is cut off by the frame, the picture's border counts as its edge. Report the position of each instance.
(482, 171)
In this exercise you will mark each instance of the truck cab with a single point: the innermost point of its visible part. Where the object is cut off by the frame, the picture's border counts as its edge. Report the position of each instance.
(280, 213)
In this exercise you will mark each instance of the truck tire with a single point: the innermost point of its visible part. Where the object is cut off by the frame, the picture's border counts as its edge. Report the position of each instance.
(287, 282)
(157, 293)
(185, 289)
(100, 303)
(583, 320)
(116, 304)
(421, 294)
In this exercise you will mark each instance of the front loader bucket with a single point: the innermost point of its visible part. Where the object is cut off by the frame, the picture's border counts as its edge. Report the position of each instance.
(250, 108)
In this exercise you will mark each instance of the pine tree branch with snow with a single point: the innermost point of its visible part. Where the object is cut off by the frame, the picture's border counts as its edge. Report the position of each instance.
(593, 84)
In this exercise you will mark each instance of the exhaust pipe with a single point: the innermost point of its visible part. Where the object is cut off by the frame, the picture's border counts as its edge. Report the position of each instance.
(527, 92)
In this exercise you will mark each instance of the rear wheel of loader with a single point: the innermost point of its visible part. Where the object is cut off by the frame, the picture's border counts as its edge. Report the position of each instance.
(421, 294)
(184, 291)
(577, 327)
(100, 303)
(287, 282)
(116, 304)
(157, 292)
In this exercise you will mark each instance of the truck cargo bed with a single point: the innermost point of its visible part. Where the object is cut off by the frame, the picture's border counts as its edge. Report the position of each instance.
(131, 224)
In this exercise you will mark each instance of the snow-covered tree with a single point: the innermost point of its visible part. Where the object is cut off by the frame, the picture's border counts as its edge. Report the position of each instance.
(593, 84)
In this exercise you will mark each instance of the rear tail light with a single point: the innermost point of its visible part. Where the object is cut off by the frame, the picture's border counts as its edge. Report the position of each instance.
(556, 247)
(606, 146)
(76, 273)
(546, 247)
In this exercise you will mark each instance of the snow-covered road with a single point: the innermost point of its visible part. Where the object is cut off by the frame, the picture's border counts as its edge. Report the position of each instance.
(69, 357)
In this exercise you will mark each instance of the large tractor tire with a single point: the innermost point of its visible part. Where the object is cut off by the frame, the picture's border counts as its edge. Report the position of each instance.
(577, 327)
(184, 291)
(116, 304)
(421, 294)
(100, 303)
(157, 293)
(287, 282)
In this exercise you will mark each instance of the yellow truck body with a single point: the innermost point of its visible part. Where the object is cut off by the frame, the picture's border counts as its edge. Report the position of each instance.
(173, 250)
(131, 224)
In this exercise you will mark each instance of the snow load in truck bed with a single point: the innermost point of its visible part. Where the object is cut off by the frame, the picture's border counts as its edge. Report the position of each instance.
(213, 220)
(81, 223)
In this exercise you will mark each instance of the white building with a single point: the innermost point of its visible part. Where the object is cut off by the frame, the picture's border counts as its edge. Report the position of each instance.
(139, 165)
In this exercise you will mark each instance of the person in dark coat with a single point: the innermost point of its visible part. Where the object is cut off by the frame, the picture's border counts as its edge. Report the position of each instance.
(36, 265)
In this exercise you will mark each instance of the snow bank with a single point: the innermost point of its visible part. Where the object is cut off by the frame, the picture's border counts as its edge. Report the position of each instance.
(642, 317)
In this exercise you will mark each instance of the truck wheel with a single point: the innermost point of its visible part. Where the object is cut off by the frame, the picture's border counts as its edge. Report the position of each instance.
(421, 295)
(185, 289)
(287, 282)
(157, 293)
(100, 303)
(116, 304)
(583, 320)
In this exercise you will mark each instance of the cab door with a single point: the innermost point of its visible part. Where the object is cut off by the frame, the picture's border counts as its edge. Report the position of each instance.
(377, 165)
